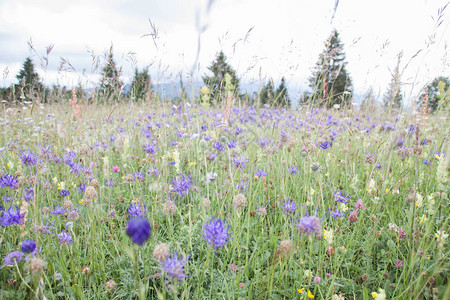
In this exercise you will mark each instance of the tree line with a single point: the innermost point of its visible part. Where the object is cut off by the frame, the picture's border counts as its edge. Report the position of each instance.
(330, 85)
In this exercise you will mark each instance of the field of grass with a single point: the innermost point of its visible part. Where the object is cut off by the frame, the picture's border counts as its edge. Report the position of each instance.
(265, 204)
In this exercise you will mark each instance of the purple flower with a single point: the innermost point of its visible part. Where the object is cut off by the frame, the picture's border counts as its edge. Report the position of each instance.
(64, 238)
(138, 230)
(289, 206)
(135, 209)
(9, 181)
(28, 158)
(64, 193)
(309, 224)
(13, 258)
(424, 142)
(261, 173)
(242, 186)
(28, 246)
(337, 213)
(29, 194)
(109, 183)
(58, 210)
(181, 184)
(292, 170)
(7, 198)
(399, 264)
(81, 188)
(218, 146)
(69, 157)
(325, 145)
(240, 162)
(174, 266)
(154, 172)
(341, 196)
(215, 232)
(427, 162)
(150, 148)
(232, 144)
(359, 204)
(379, 165)
(11, 216)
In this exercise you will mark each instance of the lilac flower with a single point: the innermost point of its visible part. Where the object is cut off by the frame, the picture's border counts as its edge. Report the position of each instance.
(11, 216)
(215, 232)
(337, 213)
(81, 188)
(8, 180)
(341, 196)
(174, 266)
(64, 193)
(154, 172)
(242, 186)
(289, 206)
(7, 198)
(69, 157)
(379, 165)
(13, 258)
(135, 209)
(150, 148)
(427, 162)
(181, 184)
(309, 224)
(28, 158)
(231, 144)
(138, 230)
(29, 194)
(424, 142)
(138, 176)
(58, 211)
(264, 142)
(109, 183)
(28, 246)
(64, 238)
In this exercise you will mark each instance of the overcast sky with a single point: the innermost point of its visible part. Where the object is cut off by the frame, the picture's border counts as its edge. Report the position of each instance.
(261, 38)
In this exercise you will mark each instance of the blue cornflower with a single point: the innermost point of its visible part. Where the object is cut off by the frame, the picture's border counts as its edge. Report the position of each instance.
(10, 181)
(28, 158)
(325, 145)
(28, 246)
(173, 266)
(289, 206)
(341, 196)
(215, 232)
(181, 184)
(138, 230)
(150, 148)
(11, 216)
(136, 209)
(309, 224)
(64, 238)
(64, 193)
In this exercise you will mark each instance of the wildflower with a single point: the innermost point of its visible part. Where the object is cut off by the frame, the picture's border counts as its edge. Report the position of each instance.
(289, 206)
(292, 170)
(381, 295)
(11, 216)
(116, 169)
(174, 266)
(181, 184)
(427, 162)
(337, 213)
(219, 147)
(136, 209)
(240, 162)
(260, 173)
(310, 295)
(301, 290)
(387, 191)
(215, 232)
(28, 246)
(9, 181)
(239, 201)
(13, 258)
(317, 279)
(138, 230)
(169, 208)
(58, 210)
(309, 224)
(341, 196)
(110, 285)
(28, 158)
(161, 252)
(210, 177)
(36, 265)
(150, 148)
(399, 264)
(353, 217)
(64, 193)
(315, 166)
(64, 238)
(286, 247)
(325, 145)
(328, 236)
(58, 276)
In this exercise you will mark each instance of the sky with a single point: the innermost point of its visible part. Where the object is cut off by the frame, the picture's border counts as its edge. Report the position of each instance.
(261, 39)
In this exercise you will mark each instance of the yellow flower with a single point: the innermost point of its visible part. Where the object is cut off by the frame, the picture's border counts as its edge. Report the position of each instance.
(387, 191)
(192, 163)
(374, 295)
(310, 295)
(300, 290)
(81, 201)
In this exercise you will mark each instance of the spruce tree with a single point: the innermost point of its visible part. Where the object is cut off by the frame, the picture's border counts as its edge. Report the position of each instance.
(141, 85)
(330, 82)
(29, 82)
(110, 83)
(267, 94)
(282, 97)
(216, 83)
(438, 92)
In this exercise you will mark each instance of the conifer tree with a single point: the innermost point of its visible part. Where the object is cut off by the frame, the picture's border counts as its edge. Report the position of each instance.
(330, 82)
(282, 97)
(110, 83)
(29, 82)
(141, 85)
(393, 97)
(438, 93)
(216, 83)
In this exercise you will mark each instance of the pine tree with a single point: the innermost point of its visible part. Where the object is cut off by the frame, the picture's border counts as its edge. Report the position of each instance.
(216, 83)
(110, 83)
(141, 85)
(282, 97)
(29, 82)
(330, 81)
(438, 93)
(393, 97)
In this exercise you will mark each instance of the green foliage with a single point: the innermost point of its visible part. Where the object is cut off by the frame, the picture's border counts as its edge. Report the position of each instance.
(141, 86)
(438, 94)
(330, 83)
(277, 98)
(216, 83)
(110, 82)
(393, 97)
(29, 82)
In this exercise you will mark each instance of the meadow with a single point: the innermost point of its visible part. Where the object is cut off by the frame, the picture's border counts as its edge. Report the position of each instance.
(162, 201)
